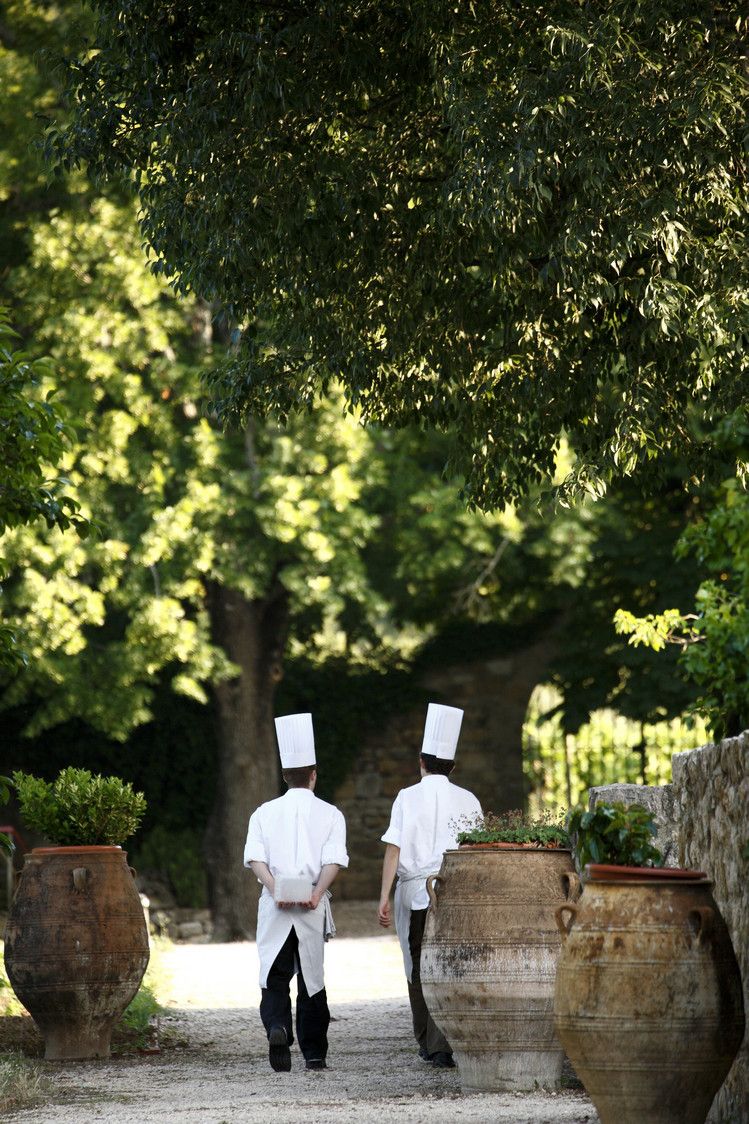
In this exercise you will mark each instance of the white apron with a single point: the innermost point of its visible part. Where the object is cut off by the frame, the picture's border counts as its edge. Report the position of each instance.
(407, 887)
(313, 927)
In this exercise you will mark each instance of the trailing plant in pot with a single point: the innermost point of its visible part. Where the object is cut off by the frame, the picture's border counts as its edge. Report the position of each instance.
(76, 944)
(514, 828)
(647, 961)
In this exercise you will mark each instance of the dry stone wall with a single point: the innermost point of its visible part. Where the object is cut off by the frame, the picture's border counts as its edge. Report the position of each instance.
(658, 799)
(711, 806)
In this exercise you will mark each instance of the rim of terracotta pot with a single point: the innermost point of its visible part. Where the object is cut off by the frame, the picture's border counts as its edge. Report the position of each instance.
(609, 872)
(506, 847)
(107, 848)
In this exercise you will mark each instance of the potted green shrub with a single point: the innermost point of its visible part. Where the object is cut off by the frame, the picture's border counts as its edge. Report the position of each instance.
(616, 837)
(80, 809)
(490, 949)
(648, 1001)
(76, 944)
(515, 829)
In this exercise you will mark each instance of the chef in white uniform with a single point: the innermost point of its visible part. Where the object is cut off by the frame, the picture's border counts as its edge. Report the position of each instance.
(422, 827)
(295, 846)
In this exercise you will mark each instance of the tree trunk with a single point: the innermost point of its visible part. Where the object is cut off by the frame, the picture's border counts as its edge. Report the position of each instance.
(252, 633)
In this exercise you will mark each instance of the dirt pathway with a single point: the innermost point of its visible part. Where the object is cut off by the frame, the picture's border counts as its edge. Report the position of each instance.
(221, 1074)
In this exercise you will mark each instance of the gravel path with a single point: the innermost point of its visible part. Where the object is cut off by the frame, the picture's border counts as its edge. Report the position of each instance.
(220, 1075)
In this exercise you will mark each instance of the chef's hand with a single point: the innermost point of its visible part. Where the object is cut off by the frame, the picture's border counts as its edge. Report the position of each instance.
(286, 905)
(383, 913)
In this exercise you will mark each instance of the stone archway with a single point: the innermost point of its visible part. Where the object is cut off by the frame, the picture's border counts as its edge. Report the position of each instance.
(494, 694)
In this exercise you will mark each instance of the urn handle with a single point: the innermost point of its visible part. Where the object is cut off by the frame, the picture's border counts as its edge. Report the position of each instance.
(432, 880)
(565, 926)
(572, 885)
(80, 877)
(701, 921)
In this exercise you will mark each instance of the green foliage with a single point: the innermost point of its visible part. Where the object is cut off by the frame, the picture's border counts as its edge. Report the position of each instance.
(559, 767)
(136, 1026)
(516, 827)
(714, 639)
(378, 568)
(33, 437)
(6, 843)
(178, 855)
(80, 809)
(182, 731)
(138, 1015)
(614, 833)
(516, 223)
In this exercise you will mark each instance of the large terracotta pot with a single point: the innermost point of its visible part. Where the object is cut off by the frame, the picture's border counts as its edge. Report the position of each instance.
(648, 1001)
(489, 959)
(76, 945)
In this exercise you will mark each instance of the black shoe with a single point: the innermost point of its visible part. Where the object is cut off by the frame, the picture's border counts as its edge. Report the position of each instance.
(424, 1054)
(442, 1060)
(316, 1063)
(279, 1054)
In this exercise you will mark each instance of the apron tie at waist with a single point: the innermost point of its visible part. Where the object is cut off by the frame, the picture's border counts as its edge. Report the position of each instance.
(420, 874)
(407, 887)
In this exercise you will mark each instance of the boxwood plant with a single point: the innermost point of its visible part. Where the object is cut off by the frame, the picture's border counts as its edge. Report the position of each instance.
(79, 808)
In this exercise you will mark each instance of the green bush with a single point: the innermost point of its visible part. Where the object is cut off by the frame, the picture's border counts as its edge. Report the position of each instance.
(80, 809)
(515, 827)
(614, 833)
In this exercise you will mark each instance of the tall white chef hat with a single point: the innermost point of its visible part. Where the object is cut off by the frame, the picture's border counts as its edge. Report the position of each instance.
(296, 741)
(441, 731)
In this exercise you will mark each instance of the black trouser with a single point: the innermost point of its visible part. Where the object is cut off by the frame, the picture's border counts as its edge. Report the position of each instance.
(312, 1014)
(427, 1033)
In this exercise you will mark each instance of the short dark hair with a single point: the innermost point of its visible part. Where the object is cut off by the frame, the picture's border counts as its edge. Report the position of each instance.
(299, 778)
(438, 765)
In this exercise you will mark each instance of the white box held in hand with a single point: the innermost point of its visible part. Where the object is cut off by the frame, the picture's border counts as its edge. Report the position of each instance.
(292, 889)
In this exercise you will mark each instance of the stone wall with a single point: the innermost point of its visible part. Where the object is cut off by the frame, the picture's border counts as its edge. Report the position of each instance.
(494, 695)
(711, 805)
(658, 799)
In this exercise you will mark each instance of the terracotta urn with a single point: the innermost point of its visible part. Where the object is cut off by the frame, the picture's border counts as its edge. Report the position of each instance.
(489, 959)
(648, 1001)
(76, 945)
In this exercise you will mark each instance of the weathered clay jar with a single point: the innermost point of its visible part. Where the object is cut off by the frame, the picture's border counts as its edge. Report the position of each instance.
(488, 963)
(76, 945)
(648, 1001)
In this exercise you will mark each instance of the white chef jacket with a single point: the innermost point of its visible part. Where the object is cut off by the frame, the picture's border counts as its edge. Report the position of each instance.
(296, 836)
(424, 824)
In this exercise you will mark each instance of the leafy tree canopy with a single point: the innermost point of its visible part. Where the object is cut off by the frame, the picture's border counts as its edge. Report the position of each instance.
(510, 220)
(33, 438)
(714, 638)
